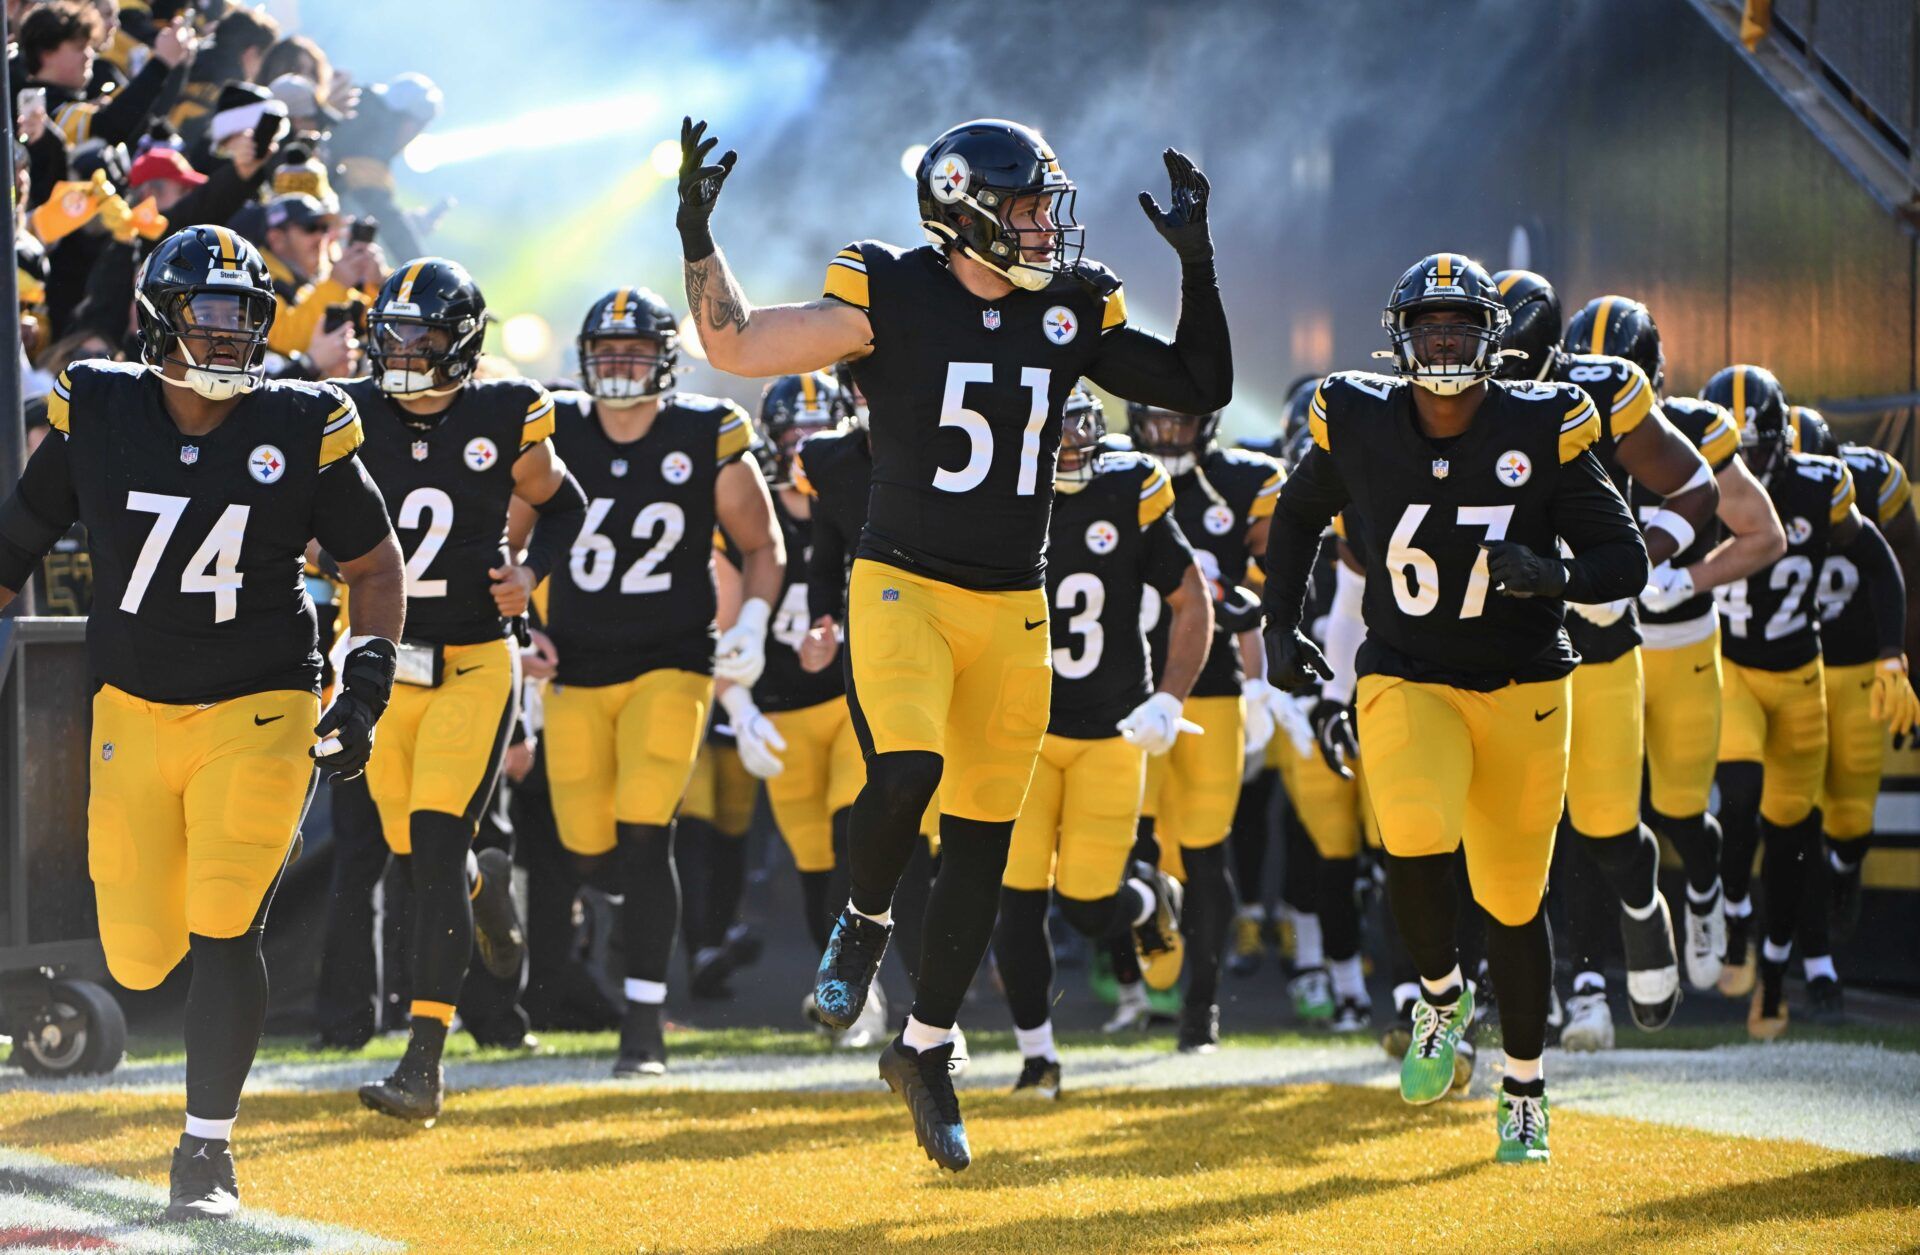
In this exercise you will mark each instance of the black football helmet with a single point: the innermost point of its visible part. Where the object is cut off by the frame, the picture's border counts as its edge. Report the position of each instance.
(1293, 416)
(1753, 397)
(1083, 435)
(792, 408)
(969, 178)
(209, 285)
(1619, 326)
(1445, 281)
(1811, 433)
(629, 347)
(1533, 324)
(1178, 440)
(426, 295)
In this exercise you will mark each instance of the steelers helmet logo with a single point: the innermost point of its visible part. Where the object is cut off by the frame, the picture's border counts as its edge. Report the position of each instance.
(1102, 536)
(1514, 468)
(1799, 531)
(480, 453)
(1218, 520)
(676, 468)
(1060, 324)
(948, 180)
(266, 464)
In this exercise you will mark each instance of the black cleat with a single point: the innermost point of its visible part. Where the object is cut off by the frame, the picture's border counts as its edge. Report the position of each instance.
(1653, 966)
(202, 1185)
(1826, 1005)
(496, 924)
(743, 946)
(1844, 896)
(1199, 1030)
(1352, 1015)
(1039, 1078)
(853, 955)
(707, 972)
(922, 1077)
(643, 1042)
(414, 1091)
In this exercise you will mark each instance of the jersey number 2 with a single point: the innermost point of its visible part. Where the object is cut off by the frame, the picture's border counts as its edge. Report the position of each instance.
(954, 413)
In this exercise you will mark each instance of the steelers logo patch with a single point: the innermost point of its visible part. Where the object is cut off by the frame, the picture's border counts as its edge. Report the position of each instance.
(1060, 325)
(1514, 468)
(948, 180)
(1102, 536)
(676, 468)
(1799, 531)
(266, 464)
(480, 453)
(1218, 520)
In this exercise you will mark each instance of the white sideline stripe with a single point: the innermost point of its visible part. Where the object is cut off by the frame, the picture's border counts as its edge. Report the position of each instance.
(127, 1214)
(1848, 1097)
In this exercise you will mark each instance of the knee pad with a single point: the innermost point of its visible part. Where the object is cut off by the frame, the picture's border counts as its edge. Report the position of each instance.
(905, 780)
(1089, 917)
(1629, 862)
(440, 846)
(972, 846)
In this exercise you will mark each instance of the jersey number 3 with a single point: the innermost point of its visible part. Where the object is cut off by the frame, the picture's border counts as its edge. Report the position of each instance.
(954, 413)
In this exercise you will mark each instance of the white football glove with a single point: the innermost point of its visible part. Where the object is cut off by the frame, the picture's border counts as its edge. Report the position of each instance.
(741, 654)
(754, 735)
(1261, 706)
(1600, 614)
(1667, 587)
(1155, 724)
(1294, 721)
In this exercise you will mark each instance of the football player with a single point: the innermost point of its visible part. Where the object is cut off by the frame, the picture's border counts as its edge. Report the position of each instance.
(1679, 629)
(1460, 488)
(200, 484)
(1112, 537)
(631, 614)
(966, 350)
(1603, 778)
(1222, 501)
(449, 452)
(1773, 736)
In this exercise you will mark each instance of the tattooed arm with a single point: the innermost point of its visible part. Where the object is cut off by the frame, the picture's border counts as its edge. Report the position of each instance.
(776, 340)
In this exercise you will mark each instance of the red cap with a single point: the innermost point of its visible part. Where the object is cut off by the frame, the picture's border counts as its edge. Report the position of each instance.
(161, 162)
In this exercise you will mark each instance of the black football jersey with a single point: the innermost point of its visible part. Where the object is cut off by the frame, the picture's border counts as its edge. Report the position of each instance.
(1712, 431)
(1215, 503)
(1419, 510)
(1771, 619)
(447, 486)
(636, 592)
(1111, 541)
(198, 541)
(1881, 487)
(835, 468)
(964, 399)
(785, 684)
(1623, 398)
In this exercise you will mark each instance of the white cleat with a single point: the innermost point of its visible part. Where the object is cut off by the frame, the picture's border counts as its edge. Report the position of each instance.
(1131, 1013)
(869, 1029)
(1589, 1023)
(1706, 944)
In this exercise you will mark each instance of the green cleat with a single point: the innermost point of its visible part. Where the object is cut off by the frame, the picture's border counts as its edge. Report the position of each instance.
(1427, 1071)
(1522, 1121)
(1312, 994)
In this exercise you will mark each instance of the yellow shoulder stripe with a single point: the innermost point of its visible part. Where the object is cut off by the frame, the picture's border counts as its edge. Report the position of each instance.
(58, 404)
(735, 436)
(341, 436)
(1896, 494)
(539, 422)
(1719, 443)
(1632, 403)
(1266, 498)
(1340, 525)
(801, 483)
(847, 278)
(1579, 430)
(75, 121)
(1113, 313)
(1842, 495)
(1317, 417)
(1156, 497)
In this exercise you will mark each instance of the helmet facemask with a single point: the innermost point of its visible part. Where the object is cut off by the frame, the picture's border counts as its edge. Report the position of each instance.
(1446, 357)
(625, 370)
(413, 357)
(1026, 235)
(1764, 446)
(218, 336)
(1177, 440)
(1082, 430)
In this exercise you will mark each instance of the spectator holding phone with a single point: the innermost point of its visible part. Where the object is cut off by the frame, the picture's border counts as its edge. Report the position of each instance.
(57, 51)
(299, 238)
(239, 47)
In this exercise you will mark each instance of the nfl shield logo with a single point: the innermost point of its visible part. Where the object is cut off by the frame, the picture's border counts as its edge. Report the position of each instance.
(990, 319)
(106, 752)
(189, 454)
(618, 467)
(419, 450)
(1440, 468)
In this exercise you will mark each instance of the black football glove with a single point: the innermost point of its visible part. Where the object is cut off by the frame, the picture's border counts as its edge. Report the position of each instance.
(1184, 225)
(699, 188)
(1333, 732)
(366, 684)
(1294, 663)
(1235, 609)
(1518, 571)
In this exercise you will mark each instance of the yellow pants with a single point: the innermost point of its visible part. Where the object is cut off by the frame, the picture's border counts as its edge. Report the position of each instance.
(191, 812)
(1603, 765)
(1199, 785)
(1856, 753)
(1328, 806)
(952, 671)
(622, 753)
(1779, 720)
(440, 748)
(1077, 827)
(1448, 766)
(721, 790)
(824, 773)
(1683, 725)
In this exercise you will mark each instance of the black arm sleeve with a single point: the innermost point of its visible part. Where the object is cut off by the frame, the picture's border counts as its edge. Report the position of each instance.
(1312, 495)
(349, 514)
(1886, 587)
(561, 517)
(1609, 553)
(123, 117)
(1166, 556)
(38, 513)
(826, 567)
(1192, 375)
